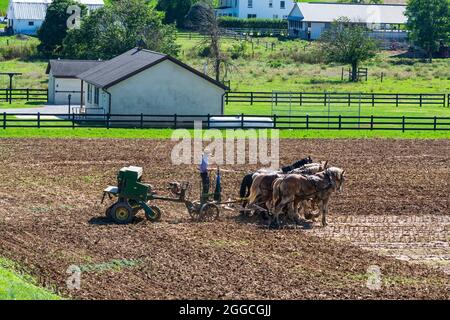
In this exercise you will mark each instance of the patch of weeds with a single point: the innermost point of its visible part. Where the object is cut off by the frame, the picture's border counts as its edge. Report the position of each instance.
(114, 265)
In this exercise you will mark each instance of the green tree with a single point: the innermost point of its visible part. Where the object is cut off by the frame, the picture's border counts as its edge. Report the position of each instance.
(429, 23)
(54, 28)
(118, 27)
(347, 43)
(175, 10)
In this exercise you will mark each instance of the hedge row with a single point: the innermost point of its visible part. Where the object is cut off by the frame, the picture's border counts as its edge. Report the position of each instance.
(231, 22)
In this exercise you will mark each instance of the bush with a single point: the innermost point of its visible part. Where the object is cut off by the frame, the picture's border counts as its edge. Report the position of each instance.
(238, 50)
(14, 51)
(231, 22)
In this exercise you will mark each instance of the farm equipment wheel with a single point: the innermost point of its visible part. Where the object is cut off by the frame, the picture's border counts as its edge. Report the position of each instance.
(108, 212)
(193, 209)
(121, 213)
(209, 212)
(157, 212)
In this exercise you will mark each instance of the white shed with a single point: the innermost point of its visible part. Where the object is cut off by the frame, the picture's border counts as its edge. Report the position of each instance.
(63, 81)
(27, 16)
(309, 20)
(140, 81)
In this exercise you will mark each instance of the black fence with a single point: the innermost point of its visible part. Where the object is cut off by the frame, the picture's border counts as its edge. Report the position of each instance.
(404, 123)
(350, 99)
(24, 94)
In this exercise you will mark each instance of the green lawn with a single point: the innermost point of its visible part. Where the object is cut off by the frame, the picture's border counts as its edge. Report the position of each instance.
(167, 133)
(288, 68)
(3, 7)
(15, 285)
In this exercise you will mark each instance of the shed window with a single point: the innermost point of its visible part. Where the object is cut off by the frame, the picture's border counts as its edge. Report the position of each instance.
(31, 23)
(251, 16)
(270, 3)
(96, 95)
(89, 93)
(282, 5)
(250, 3)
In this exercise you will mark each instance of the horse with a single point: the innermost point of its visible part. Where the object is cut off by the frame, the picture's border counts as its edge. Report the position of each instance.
(247, 181)
(261, 191)
(295, 188)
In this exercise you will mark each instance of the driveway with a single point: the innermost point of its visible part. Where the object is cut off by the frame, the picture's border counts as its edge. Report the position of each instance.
(46, 109)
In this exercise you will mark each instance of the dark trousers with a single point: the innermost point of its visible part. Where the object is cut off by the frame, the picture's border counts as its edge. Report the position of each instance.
(205, 184)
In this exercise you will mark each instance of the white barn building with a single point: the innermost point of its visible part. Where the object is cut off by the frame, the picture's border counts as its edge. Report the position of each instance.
(264, 9)
(308, 20)
(63, 81)
(27, 16)
(140, 81)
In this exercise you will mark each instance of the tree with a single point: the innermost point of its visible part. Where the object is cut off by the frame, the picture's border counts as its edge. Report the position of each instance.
(175, 10)
(202, 17)
(118, 27)
(429, 23)
(54, 28)
(347, 43)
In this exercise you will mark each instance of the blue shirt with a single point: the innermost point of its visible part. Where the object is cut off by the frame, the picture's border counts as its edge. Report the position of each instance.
(203, 167)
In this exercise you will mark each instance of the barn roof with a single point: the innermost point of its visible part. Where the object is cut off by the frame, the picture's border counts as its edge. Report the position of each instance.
(36, 9)
(70, 68)
(130, 63)
(365, 13)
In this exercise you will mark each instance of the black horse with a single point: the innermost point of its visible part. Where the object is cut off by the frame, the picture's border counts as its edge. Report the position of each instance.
(247, 181)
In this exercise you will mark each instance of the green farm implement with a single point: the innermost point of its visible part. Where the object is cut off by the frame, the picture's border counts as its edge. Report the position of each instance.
(134, 195)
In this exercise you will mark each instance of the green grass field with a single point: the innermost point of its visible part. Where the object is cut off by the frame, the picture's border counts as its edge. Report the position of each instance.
(167, 133)
(15, 285)
(3, 7)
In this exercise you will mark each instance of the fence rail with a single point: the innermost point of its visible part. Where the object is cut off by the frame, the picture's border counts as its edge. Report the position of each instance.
(324, 98)
(24, 94)
(404, 123)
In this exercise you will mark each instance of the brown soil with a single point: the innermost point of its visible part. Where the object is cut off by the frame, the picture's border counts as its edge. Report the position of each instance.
(394, 205)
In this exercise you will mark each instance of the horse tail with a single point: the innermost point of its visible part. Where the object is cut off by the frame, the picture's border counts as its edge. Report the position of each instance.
(253, 193)
(245, 185)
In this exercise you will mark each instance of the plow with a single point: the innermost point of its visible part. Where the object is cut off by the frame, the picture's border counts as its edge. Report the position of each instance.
(132, 195)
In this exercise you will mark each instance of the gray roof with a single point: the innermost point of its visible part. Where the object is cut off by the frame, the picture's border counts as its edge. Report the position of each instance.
(365, 13)
(130, 63)
(70, 68)
(37, 9)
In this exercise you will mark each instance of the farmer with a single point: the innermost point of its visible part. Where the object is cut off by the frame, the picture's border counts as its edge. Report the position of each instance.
(203, 167)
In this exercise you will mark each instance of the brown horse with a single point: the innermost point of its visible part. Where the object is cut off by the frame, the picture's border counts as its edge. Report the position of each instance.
(261, 190)
(295, 188)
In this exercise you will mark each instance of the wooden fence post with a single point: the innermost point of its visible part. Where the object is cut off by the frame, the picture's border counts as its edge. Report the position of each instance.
(420, 99)
(371, 122)
(307, 121)
(340, 122)
(373, 100)
(274, 121)
(142, 120)
(208, 123)
(28, 94)
(175, 121)
(251, 98)
(396, 100)
(403, 123)
(4, 120)
(435, 123)
(38, 119)
(73, 120)
(242, 121)
(301, 98)
(108, 116)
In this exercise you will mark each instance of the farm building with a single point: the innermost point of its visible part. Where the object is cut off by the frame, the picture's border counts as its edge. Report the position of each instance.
(62, 79)
(267, 9)
(308, 20)
(27, 16)
(142, 81)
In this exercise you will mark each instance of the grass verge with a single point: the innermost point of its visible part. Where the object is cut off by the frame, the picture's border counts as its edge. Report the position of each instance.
(15, 285)
(167, 133)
